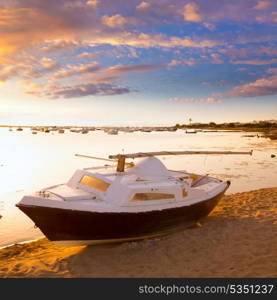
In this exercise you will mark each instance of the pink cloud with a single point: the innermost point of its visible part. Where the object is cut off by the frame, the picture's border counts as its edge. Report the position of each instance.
(79, 90)
(260, 87)
(271, 70)
(74, 70)
(191, 12)
(86, 55)
(143, 5)
(262, 5)
(48, 63)
(210, 26)
(130, 68)
(115, 21)
(185, 62)
(60, 45)
(216, 58)
(194, 100)
(255, 62)
(93, 3)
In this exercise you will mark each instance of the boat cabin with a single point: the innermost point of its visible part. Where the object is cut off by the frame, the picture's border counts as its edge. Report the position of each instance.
(143, 184)
(148, 184)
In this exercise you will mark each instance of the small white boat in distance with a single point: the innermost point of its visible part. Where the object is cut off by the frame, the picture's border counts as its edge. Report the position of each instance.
(191, 131)
(124, 201)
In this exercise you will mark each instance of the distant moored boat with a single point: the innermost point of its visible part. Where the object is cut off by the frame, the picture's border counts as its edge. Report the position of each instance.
(191, 131)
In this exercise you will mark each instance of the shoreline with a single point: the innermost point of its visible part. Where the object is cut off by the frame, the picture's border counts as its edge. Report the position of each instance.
(238, 239)
(153, 127)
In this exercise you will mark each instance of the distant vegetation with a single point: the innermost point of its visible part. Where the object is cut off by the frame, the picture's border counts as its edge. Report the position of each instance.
(259, 126)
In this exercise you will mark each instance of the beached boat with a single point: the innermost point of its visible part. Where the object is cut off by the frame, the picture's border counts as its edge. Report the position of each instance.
(126, 201)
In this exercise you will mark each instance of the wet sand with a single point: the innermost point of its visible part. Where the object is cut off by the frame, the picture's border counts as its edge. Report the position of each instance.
(238, 239)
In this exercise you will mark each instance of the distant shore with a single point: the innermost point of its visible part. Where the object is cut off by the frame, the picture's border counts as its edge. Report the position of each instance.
(238, 239)
(201, 127)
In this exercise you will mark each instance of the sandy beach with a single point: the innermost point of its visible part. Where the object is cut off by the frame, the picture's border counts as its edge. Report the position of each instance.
(238, 239)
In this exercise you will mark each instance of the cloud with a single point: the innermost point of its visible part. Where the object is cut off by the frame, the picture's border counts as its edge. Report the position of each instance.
(188, 62)
(191, 12)
(52, 27)
(74, 5)
(8, 72)
(133, 52)
(53, 21)
(114, 72)
(114, 21)
(48, 63)
(194, 100)
(216, 58)
(262, 5)
(210, 26)
(81, 90)
(39, 21)
(93, 3)
(271, 70)
(260, 87)
(143, 5)
(130, 68)
(274, 16)
(74, 70)
(62, 73)
(60, 45)
(86, 55)
(86, 68)
(94, 69)
(174, 63)
(248, 51)
(17, 69)
(58, 33)
(255, 62)
(144, 40)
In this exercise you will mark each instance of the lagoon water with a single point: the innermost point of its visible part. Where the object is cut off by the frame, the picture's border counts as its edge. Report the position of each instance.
(29, 162)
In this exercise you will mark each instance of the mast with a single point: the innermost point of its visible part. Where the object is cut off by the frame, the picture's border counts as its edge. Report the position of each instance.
(94, 157)
(120, 161)
(148, 154)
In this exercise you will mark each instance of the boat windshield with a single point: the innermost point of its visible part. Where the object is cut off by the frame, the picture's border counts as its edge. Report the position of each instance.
(95, 183)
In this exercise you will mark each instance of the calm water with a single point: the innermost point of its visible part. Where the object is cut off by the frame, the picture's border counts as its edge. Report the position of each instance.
(29, 162)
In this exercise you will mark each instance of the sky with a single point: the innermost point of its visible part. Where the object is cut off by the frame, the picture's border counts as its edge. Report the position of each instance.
(159, 62)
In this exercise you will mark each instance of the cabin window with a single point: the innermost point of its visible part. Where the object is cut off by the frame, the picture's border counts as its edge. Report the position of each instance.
(95, 183)
(152, 196)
